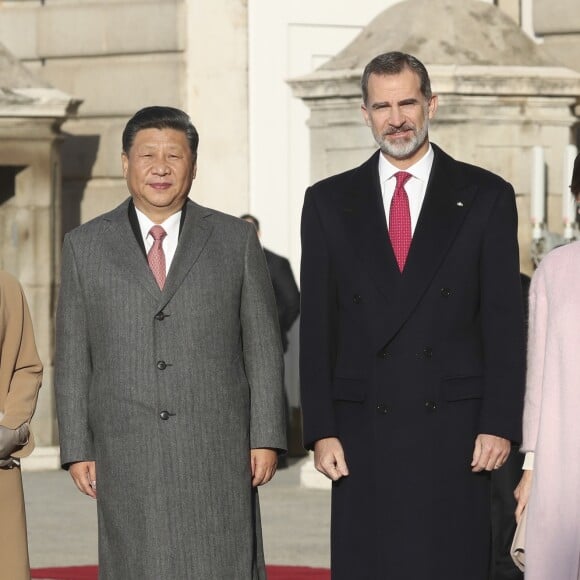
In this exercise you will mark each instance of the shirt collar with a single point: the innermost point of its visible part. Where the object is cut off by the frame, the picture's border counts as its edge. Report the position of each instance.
(421, 169)
(169, 225)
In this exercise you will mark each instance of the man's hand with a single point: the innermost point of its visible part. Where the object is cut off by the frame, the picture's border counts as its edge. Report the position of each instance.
(263, 464)
(84, 474)
(522, 492)
(329, 458)
(490, 452)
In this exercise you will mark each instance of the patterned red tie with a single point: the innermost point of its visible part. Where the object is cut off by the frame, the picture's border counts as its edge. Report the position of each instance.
(156, 256)
(400, 220)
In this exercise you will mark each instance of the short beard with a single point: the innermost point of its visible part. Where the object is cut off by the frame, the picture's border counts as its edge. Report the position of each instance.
(407, 148)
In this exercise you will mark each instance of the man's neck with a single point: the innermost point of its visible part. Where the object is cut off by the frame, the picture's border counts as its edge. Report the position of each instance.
(158, 215)
(407, 162)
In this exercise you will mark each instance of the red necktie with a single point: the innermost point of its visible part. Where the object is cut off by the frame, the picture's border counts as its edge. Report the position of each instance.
(400, 220)
(156, 256)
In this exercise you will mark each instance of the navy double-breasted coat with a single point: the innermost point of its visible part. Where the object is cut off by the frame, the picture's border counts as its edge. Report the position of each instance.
(406, 369)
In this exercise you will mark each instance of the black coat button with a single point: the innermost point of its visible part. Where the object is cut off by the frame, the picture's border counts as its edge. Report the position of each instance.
(357, 299)
(164, 415)
(427, 352)
(160, 316)
(382, 409)
(430, 405)
(384, 354)
(161, 365)
(446, 292)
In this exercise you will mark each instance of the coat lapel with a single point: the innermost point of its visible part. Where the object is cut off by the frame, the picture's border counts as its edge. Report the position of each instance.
(117, 235)
(192, 240)
(447, 203)
(366, 226)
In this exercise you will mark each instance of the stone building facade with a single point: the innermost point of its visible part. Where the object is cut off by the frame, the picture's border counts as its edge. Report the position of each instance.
(31, 114)
(500, 96)
(119, 55)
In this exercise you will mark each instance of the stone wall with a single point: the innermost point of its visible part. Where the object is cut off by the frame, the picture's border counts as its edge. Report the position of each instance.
(121, 55)
(557, 24)
(29, 228)
(117, 56)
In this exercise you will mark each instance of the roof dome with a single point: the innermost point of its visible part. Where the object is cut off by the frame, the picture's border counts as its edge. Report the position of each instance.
(454, 32)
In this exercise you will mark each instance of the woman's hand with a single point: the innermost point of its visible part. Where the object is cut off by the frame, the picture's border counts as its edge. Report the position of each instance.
(522, 492)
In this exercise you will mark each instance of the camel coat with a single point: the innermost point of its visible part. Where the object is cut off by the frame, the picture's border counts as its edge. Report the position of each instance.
(167, 390)
(551, 418)
(20, 378)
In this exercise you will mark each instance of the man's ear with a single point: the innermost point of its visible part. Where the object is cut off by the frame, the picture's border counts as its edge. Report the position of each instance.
(124, 163)
(433, 106)
(194, 169)
(365, 114)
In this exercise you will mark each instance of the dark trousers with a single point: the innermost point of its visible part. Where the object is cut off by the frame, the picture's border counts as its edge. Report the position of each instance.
(503, 523)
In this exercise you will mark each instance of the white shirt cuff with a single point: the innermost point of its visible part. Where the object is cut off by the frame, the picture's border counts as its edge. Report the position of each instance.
(529, 461)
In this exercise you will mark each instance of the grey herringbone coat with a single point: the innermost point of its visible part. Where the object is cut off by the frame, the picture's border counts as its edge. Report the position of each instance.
(167, 391)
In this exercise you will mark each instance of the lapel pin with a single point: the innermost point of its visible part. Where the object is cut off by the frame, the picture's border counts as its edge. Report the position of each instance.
(460, 204)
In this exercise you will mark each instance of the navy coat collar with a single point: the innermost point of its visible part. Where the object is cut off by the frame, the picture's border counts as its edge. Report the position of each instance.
(447, 201)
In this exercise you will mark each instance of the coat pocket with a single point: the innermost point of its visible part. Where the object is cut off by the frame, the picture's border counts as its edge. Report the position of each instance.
(345, 389)
(462, 388)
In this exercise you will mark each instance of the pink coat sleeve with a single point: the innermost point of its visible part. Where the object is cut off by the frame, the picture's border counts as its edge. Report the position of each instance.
(537, 336)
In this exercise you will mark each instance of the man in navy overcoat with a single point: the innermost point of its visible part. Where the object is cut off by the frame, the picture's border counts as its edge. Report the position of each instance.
(412, 363)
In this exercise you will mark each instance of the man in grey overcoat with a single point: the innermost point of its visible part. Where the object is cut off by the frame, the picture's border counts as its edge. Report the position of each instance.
(169, 372)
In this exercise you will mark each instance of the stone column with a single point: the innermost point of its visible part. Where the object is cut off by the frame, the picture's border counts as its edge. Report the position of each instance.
(30, 223)
(490, 116)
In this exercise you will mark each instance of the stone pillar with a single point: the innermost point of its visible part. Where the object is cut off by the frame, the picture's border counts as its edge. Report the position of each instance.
(499, 96)
(30, 220)
(488, 116)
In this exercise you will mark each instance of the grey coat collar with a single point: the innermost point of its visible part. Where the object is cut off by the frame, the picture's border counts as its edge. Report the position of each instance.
(125, 249)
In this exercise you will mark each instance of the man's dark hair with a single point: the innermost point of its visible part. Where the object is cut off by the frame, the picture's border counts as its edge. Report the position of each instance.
(250, 218)
(575, 185)
(393, 63)
(157, 117)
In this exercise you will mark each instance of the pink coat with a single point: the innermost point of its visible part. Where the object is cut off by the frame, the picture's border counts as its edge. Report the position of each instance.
(552, 418)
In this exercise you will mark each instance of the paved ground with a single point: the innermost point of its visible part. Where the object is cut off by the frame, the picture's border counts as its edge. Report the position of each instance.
(62, 523)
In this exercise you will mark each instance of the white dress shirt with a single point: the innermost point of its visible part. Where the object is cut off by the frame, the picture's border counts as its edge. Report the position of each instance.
(415, 187)
(170, 225)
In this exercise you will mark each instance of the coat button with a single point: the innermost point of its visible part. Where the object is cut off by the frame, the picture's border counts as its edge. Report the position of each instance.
(446, 292)
(357, 299)
(382, 409)
(164, 415)
(427, 352)
(160, 316)
(384, 354)
(161, 365)
(430, 405)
